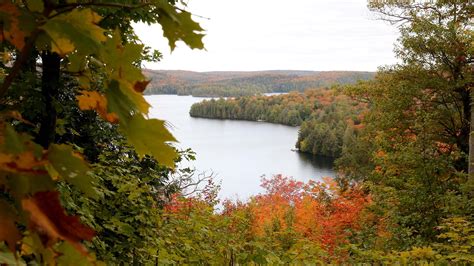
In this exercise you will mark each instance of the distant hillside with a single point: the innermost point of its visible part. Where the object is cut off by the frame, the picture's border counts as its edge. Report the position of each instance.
(235, 83)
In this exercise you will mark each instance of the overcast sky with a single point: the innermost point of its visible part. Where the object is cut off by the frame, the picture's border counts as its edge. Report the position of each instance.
(249, 35)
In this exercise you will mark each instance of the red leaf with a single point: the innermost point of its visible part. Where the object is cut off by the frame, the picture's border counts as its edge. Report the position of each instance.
(50, 221)
(8, 230)
(140, 86)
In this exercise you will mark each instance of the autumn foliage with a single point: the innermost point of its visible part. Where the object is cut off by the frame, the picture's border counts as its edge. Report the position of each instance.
(329, 120)
(286, 215)
(245, 83)
(70, 72)
(321, 212)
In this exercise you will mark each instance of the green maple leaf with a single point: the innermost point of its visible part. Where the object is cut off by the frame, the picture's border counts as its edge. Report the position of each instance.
(178, 25)
(71, 167)
(120, 59)
(70, 256)
(149, 136)
(77, 29)
(119, 64)
(15, 143)
(125, 102)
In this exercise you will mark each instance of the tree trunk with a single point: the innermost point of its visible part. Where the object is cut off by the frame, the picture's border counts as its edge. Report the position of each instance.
(49, 90)
(471, 137)
(231, 262)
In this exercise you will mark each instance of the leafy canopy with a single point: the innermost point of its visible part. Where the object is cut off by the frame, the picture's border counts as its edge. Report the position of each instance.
(94, 42)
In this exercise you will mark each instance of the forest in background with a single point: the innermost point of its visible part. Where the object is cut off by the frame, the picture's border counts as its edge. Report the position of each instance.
(235, 83)
(86, 178)
(328, 119)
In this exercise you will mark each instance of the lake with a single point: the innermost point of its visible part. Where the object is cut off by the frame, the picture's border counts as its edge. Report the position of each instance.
(237, 153)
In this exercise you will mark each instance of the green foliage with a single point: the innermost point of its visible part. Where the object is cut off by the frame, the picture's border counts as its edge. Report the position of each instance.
(458, 236)
(150, 137)
(71, 168)
(330, 129)
(87, 97)
(126, 214)
(414, 169)
(455, 245)
(77, 29)
(412, 154)
(178, 25)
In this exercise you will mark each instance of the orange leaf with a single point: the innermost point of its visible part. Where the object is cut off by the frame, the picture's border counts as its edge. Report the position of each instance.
(92, 100)
(9, 233)
(50, 221)
(24, 162)
(8, 230)
(13, 34)
(380, 154)
(111, 117)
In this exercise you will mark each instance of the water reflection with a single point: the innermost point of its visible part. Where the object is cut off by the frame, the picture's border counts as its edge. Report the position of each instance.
(318, 161)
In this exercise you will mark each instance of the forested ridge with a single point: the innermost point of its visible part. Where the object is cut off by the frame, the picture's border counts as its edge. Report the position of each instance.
(87, 178)
(235, 83)
(327, 118)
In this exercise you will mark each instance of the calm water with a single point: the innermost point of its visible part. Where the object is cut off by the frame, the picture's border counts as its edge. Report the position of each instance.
(238, 153)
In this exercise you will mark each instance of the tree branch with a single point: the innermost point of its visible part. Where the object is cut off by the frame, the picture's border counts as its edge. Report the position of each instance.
(117, 5)
(22, 58)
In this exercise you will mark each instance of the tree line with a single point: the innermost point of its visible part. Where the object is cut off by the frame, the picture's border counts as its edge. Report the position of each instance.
(327, 118)
(234, 84)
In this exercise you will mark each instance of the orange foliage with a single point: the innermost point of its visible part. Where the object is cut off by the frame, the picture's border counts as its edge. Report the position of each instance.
(380, 154)
(14, 34)
(24, 162)
(92, 100)
(444, 147)
(48, 219)
(378, 169)
(322, 212)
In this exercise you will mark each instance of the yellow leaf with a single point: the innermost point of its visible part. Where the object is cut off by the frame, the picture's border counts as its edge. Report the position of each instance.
(62, 46)
(92, 100)
(27, 244)
(82, 31)
(137, 98)
(6, 56)
(52, 172)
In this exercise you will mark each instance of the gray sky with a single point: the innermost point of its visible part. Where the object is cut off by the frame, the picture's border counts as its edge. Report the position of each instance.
(252, 35)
